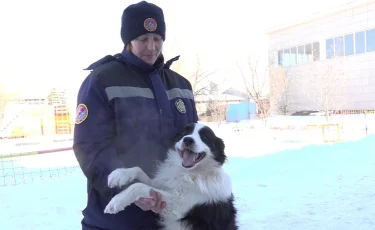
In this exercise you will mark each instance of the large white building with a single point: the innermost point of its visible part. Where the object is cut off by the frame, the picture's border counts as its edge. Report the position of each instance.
(334, 50)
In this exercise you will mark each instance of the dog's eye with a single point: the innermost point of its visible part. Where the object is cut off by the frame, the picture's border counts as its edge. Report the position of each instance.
(204, 138)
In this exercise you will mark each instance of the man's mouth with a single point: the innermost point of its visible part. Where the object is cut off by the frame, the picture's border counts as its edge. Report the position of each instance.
(149, 55)
(189, 157)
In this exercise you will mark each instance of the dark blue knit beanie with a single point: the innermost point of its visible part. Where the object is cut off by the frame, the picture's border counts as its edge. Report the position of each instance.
(141, 18)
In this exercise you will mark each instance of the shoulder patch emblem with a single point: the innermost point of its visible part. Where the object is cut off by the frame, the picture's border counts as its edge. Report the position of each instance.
(81, 113)
(150, 24)
(180, 105)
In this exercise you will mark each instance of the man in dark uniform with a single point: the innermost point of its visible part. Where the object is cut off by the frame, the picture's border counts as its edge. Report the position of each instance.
(129, 108)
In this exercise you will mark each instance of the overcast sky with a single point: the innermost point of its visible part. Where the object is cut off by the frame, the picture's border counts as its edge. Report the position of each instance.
(50, 42)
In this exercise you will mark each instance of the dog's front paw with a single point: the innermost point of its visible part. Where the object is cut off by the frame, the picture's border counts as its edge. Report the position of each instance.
(120, 177)
(115, 206)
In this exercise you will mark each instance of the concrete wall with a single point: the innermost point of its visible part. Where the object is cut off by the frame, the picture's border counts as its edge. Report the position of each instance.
(358, 70)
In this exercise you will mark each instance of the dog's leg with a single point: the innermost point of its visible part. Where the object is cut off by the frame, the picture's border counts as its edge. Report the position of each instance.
(129, 196)
(123, 176)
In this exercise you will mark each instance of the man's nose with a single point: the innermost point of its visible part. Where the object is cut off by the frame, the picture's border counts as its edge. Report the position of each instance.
(151, 44)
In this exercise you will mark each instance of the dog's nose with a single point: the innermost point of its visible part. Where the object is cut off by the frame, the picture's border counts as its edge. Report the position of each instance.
(188, 141)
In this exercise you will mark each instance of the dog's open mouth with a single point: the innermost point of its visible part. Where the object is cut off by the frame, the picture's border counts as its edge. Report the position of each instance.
(190, 158)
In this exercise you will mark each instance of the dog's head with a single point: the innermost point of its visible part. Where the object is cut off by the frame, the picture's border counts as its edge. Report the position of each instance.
(199, 146)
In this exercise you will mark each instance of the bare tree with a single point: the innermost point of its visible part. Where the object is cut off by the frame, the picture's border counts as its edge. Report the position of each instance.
(326, 86)
(215, 106)
(284, 103)
(279, 85)
(255, 84)
(200, 80)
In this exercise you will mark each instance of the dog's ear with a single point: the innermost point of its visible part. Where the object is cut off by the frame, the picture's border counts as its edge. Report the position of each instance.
(219, 154)
(219, 144)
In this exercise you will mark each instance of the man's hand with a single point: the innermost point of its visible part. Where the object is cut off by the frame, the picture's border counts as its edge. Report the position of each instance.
(155, 204)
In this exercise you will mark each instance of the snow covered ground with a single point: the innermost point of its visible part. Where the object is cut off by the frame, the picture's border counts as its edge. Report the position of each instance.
(283, 186)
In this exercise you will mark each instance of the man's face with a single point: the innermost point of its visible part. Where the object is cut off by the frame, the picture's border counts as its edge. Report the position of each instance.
(147, 47)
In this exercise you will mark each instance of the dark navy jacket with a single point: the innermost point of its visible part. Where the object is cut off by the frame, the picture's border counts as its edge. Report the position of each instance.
(132, 110)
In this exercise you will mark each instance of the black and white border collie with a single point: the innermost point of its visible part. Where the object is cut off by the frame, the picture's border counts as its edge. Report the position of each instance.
(192, 182)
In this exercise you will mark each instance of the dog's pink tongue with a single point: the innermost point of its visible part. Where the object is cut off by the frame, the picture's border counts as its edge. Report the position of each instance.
(188, 159)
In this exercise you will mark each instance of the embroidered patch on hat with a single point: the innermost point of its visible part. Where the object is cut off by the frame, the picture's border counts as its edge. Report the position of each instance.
(180, 105)
(81, 113)
(150, 24)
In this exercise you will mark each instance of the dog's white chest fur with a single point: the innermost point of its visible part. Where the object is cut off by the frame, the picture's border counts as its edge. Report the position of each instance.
(188, 189)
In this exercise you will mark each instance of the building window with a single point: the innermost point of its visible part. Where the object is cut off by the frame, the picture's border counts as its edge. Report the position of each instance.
(275, 62)
(335, 47)
(286, 57)
(370, 40)
(280, 57)
(346, 45)
(298, 55)
(293, 56)
(360, 42)
(316, 51)
(329, 48)
(339, 46)
(349, 44)
(301, 58)
(308, 52)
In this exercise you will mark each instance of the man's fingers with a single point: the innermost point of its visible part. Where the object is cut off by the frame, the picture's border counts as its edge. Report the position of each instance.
(147, 201)
(158, 201)
(153, 194)
(155, 204)
(141, 205)
(160, 204)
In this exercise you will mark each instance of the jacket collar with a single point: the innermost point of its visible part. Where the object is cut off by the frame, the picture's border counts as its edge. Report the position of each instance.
(139, 63)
